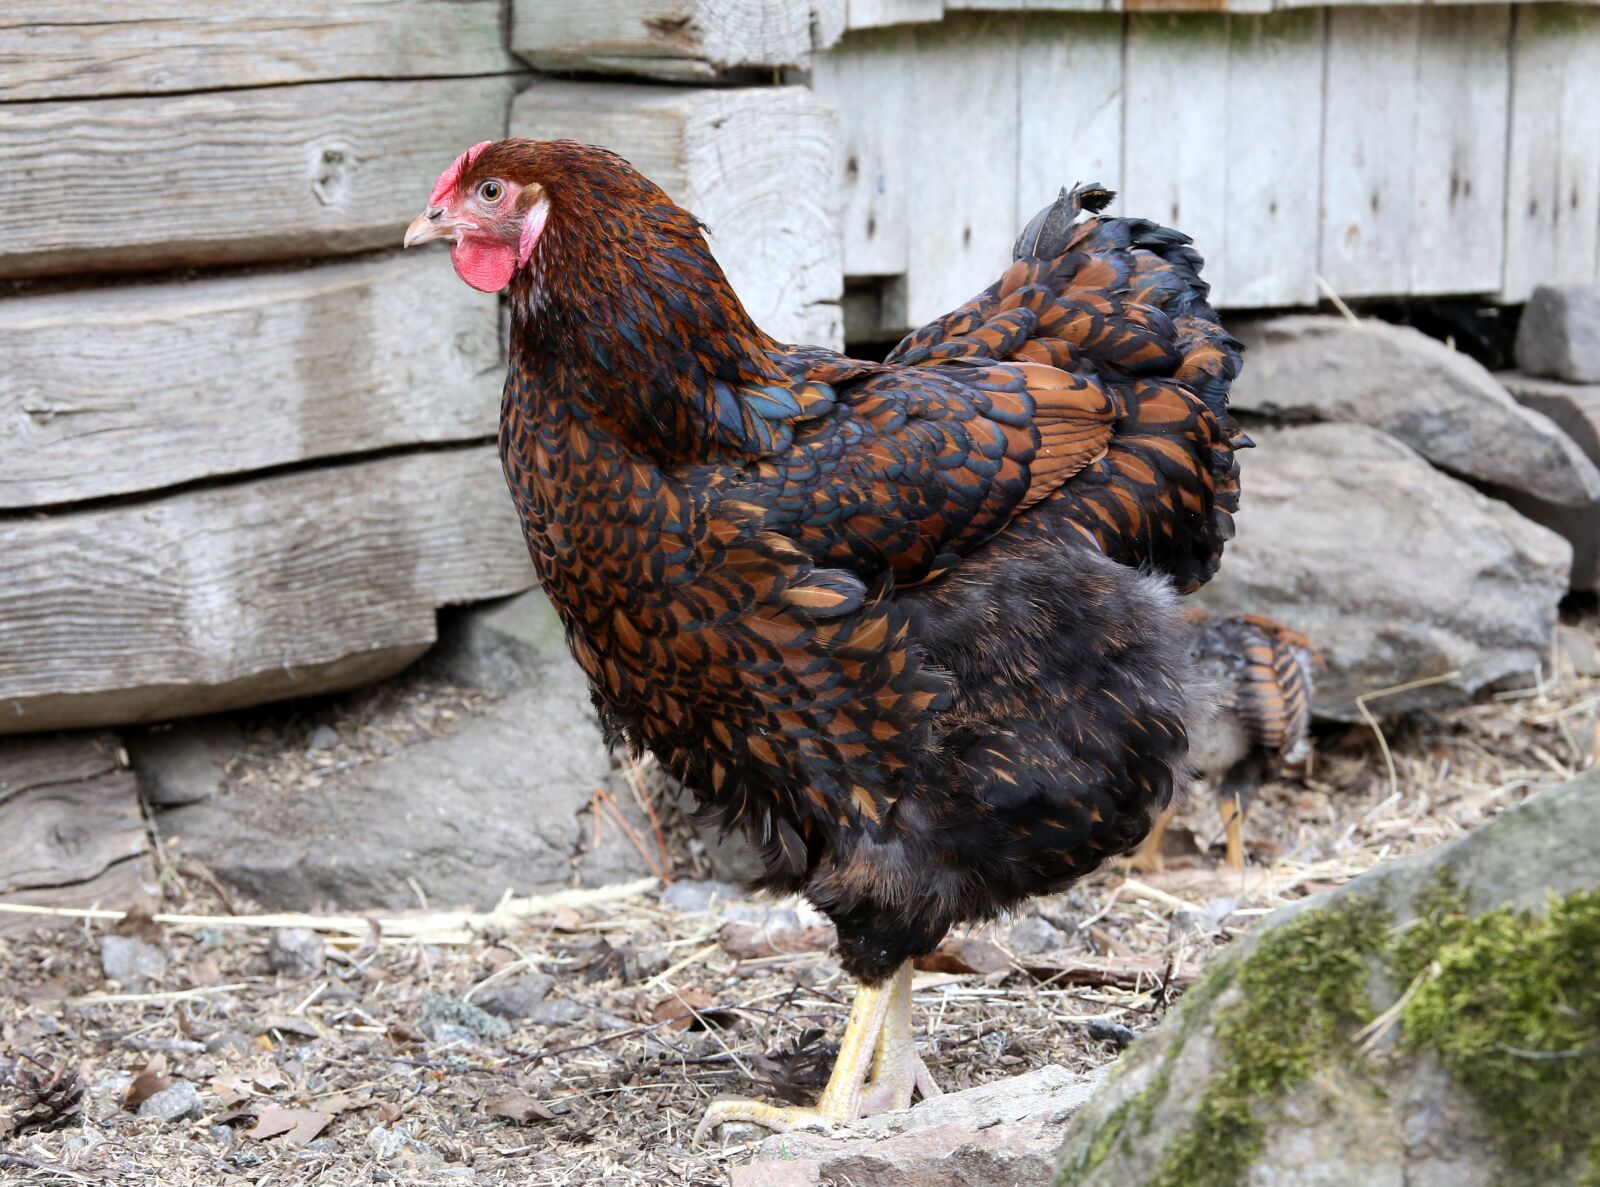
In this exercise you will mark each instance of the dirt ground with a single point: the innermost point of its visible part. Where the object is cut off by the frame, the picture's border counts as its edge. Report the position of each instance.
(366, 1058)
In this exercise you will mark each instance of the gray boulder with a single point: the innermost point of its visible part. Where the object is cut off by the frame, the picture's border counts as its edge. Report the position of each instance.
(1559, 334)
(1440, 402)
(1396, 571)
(1434, 1023)
(1575, 409)
(183, 764)
(502, 801)
(1005, 1132)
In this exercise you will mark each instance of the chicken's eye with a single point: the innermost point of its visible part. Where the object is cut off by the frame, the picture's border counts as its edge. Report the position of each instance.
(491, 191)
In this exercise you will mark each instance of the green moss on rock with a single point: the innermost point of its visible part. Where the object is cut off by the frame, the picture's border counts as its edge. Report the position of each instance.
(1509, 1003)
(1302, 995)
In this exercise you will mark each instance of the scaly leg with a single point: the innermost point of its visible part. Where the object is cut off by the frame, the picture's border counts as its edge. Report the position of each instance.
(897, 1069)
(877, 1038)
(1233, 821)
(1147, 857)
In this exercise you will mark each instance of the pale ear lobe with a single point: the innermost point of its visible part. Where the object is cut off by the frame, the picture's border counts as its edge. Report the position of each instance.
(532, 228)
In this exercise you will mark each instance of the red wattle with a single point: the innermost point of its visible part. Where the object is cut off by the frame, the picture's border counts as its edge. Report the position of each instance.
(484, 263)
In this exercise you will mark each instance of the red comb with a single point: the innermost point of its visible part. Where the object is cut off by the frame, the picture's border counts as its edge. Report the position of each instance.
(447, 179)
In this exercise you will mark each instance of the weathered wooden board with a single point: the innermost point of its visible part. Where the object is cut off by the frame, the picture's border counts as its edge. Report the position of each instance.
(1176, 167)
(1069, 76)
(51, 50)
(755, 163)
(1268, 254)
(71, 832)
(213, 599)
(1553, 174)
(110, 390)
(876, 14)
(677, 40)
(1459, 154)
(867, 77)
(961, 170)
(1414, 150)
(1367, 145)
(230, 176)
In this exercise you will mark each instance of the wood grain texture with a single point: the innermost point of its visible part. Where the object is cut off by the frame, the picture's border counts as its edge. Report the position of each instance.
(231, 176)
(1176, 167)
(1072, 69)
(868, 77)
(676, 40)
(755, 163)
(1553, 158)
(961, 219)
(106, 391)
(114, 47)
(1268, 253)
(877, 14)
(1414, 150)
(71, 831)
(214, 599)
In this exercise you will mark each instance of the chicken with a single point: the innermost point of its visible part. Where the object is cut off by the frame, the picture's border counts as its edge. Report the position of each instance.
(1260, 673)
(911, 625)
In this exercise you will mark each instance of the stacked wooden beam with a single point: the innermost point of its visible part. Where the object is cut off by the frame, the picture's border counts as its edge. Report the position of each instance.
(211, 490)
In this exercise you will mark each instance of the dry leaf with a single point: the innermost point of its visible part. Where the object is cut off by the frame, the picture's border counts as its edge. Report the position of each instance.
(296, 1126)
(964, 954)
(139, 923)
(401, 1032)
(517, 1106)
(389, 1112)
(679, 1008)
(750, 941)
(289, 1024)
(147, 1083)
(232, 1089)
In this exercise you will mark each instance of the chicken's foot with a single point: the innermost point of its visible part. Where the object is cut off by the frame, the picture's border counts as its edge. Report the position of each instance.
(1233, 822)
(1147, 857)
(877, 1039)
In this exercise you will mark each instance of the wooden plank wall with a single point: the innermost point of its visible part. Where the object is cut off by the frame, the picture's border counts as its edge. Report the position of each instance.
(205, 329)
(1392, 151)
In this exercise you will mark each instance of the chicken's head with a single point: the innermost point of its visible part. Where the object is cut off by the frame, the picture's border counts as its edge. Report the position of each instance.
(490, 209)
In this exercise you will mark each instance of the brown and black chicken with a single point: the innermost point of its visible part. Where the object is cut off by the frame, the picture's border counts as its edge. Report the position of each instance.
(912, 625)
(1260, 678)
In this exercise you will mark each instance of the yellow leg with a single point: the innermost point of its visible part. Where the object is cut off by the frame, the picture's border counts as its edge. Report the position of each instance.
(1147, 857)
(1233, 821)
(877, 1038)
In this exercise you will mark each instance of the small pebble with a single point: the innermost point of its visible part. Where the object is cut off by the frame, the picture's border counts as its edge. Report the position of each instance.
(295, 952)
(440, 1012)
(515, 997)
(324, 737)
(694, 897)
(133, 963)
(180, 1102)
(1033, 935)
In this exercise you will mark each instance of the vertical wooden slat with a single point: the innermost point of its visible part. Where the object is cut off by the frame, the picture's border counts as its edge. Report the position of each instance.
(867, 80)
(1552, 219)
(1070, 116)
(1459, 150)
(961, 212)
(1272, 155)
(1175, 164)
(1368, 124)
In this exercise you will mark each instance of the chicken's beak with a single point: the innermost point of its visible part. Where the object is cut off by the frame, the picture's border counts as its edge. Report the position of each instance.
(431, 224)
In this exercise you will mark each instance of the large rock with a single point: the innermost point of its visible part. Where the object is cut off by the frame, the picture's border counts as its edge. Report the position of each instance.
(1396, 571)
(502, 800)
(1005, 1132)
(1435, 1023)
(1440, 402)
(1575, 409)
(1559, 334)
